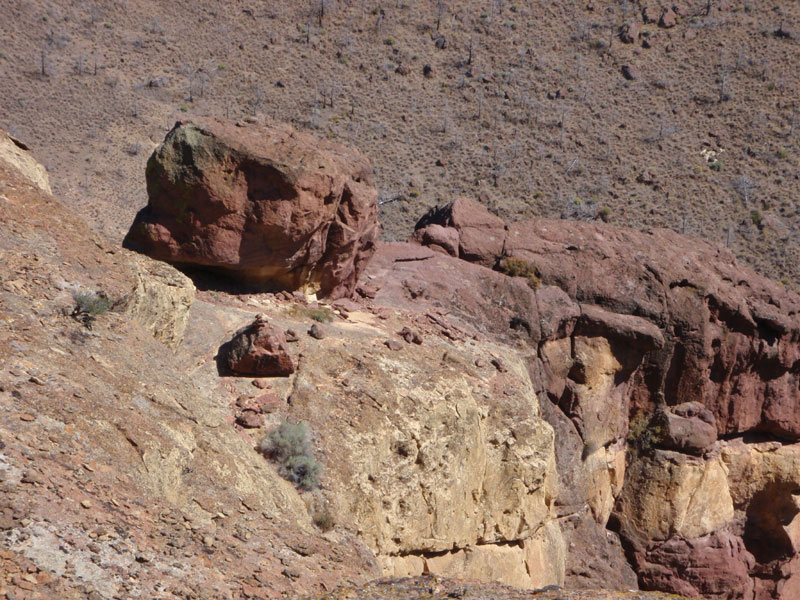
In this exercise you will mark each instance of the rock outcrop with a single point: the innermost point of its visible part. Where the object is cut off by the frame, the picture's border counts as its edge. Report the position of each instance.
(646, 340)
(161, 300)
(264, 204)
(16, 155)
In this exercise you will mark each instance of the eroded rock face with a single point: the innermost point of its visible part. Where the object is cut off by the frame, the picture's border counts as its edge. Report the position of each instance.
(16, 155)
(669, 333)
(258, 350)
(731, 338)
(267, 204)
(437, 463)
(161, 300)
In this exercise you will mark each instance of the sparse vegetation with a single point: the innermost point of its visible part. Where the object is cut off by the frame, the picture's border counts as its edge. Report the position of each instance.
(289, 447)
(323, 520)
(644, 434)
(89, 305)
(518, 267)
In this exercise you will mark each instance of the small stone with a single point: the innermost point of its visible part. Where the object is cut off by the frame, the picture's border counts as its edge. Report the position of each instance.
(250, 419)
(86, 504)
(291, 335)
(630, 72)
(410, 336)
(668, 19)
(208, 541)
(262, 384)
(499, 365)
(393, 345)
(27, 417)
(316, 332)
(427, 71)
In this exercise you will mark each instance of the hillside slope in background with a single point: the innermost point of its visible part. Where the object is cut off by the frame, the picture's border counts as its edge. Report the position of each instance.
(537, 108)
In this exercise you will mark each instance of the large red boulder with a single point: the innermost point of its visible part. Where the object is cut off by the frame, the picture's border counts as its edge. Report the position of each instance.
(265, 204)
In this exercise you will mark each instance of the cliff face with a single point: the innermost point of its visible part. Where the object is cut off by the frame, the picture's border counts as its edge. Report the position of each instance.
(667, 347)
(621, 414)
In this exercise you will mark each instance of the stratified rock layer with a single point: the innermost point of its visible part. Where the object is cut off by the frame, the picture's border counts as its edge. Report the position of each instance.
(265, 204)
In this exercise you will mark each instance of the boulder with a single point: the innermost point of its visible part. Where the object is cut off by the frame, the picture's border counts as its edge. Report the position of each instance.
(668, 19)
(688, 427)
(629, 32)
(481, 235)
(264, 204)
(258, 350)
(435, 236)
(715, 565)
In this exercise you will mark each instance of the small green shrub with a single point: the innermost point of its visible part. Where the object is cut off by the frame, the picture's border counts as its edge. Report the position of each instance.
(644, 434)
(320, 315)
(289, 447)
(756, 217)
(89, 304)
(518, 267)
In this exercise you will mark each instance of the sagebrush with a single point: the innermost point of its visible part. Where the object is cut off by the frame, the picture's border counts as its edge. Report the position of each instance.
(289, 447)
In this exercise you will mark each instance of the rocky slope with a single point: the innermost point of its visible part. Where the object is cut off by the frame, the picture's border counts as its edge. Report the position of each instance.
(535, 404)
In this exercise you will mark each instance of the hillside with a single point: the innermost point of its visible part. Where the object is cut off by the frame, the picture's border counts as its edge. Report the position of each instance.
(536, 108)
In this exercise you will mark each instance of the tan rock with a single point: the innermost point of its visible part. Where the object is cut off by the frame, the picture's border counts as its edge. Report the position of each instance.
(161, 300)
(434, 454)
(17, 154)
(671, 494)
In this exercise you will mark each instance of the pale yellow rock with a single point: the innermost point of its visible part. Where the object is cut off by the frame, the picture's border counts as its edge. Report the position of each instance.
(753, 466)
(546, 556)
(433, 454)
(764, 478)
(606, 468)
(402, 566)
(17, 155)
(593, 372)
(671, 494)
(161, 300)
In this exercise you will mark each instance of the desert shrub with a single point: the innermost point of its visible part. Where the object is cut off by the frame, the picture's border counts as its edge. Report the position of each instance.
(91, 303)
(644, 434)
(323, 519)
(756, 217)
(518, 267)
(289, 447)
(322, 314)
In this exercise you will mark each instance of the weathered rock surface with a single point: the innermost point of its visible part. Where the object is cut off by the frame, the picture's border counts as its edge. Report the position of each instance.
(688, 427)
(669, 494)
(161, 300)
(258, 350)
(670, 332)
(267, 204)
(15, 154)
(731, 337)
(439, 464)
(121, 474)
(480, 234)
